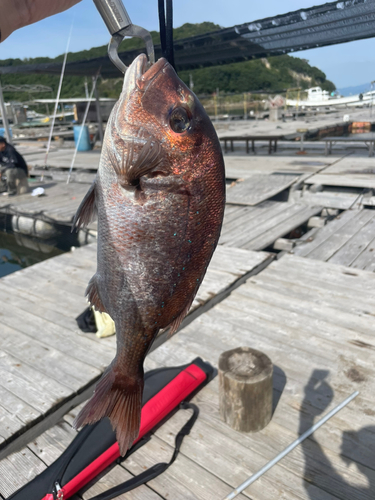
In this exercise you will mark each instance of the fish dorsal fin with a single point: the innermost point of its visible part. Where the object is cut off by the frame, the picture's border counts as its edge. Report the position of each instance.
(86, 210)
(149, 160)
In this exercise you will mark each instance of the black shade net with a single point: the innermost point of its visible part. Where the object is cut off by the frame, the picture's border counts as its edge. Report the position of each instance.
(328, 24)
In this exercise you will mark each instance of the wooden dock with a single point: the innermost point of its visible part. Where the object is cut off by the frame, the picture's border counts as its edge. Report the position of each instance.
(311, 311)
(348, 182)
(256, 228)
(61, 159)
(39, 332)
(259, 187)
(58, 204)
(320, 340)
(349, 240)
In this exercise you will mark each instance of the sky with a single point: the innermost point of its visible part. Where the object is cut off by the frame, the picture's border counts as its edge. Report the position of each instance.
(346, 65)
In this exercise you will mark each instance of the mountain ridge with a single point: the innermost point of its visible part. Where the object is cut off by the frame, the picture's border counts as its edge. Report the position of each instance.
(268, 74)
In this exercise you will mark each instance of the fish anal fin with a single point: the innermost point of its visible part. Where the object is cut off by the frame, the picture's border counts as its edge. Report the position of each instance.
(86, 210)
(92, 293)
(175, 325)
(118, 397)
(149, 160)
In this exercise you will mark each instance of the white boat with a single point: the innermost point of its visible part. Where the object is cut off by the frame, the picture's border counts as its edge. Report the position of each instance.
(318, 98)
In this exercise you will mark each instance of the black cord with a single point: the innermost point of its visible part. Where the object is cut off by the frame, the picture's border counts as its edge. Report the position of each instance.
(163, 33)
(166, 30)
(169, 46)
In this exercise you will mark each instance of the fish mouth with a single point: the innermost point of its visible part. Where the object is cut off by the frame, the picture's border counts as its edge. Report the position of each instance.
(140, 75)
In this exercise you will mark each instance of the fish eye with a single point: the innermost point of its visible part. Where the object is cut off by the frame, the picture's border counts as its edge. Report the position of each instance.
(179, 120)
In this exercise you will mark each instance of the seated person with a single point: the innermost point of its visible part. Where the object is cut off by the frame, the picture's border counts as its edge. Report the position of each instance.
(13, 169)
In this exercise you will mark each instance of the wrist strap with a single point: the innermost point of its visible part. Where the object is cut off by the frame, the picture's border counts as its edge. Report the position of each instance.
(157, 469)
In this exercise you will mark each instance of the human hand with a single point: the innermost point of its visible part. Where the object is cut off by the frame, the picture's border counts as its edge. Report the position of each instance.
(318, 393)
(15, 14)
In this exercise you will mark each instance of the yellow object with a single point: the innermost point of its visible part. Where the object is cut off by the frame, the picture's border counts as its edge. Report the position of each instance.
(104, 324)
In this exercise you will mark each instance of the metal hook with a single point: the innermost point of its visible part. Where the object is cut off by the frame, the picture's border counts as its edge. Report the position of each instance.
(119, 25)
(132, 30)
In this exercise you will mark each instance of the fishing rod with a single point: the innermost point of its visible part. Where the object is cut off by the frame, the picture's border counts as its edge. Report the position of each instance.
(291, 447)
(58, 97)
(95, 79)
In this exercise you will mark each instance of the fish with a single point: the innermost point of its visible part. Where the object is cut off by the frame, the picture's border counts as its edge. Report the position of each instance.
(159, 197)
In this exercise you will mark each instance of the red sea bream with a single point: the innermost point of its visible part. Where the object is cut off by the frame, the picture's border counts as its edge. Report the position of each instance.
(159, 197)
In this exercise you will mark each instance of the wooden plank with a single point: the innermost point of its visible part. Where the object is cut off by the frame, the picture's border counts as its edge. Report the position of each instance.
(241, 167)
(258, 188)
(59, 204)
(17, 470)
(353, 281)
(340, 332)
(351, 164)
(348, 180)
(311, 464)
(16, 407)
(346, 300)
(62, 159)
(183, 480)
(294, 413)
(116, 476)
(77, 346)
(198, 482)
(242, 456)
(228, 326)
(236, 261)
(305, 248)
(355, 245)
(233, 466)
(366, 260)
(249, 226)
(286, 226)
(32, 460)
(248, 217)
(53, 442)
(37, 361)
(11, 365)
(10, 424)
(329, 199)
(341, 236)
(274, 223)
(40, 400)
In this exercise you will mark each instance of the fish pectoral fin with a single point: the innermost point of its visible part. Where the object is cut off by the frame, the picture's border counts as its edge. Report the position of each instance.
(92, 293)
(149, 160)
(86, 210)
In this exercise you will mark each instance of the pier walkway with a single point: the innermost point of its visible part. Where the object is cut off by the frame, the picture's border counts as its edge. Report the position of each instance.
(45, 360)
(310, 310)
(311, 318)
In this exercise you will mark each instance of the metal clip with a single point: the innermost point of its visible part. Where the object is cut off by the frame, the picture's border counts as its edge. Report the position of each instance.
(119, 25)
(59, 491)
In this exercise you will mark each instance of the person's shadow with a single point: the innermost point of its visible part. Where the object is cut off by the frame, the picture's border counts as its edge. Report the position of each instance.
(356, 447)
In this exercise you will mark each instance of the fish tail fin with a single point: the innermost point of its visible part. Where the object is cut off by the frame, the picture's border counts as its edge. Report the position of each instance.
(117, 396)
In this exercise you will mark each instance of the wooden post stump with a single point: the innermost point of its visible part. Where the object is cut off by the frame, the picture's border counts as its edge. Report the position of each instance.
(245, 389)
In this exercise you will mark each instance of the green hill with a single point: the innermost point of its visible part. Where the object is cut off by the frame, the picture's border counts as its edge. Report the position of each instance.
(269, 74)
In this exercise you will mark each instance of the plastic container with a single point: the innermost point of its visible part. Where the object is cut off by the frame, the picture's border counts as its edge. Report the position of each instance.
(84, 141)
(2, 132)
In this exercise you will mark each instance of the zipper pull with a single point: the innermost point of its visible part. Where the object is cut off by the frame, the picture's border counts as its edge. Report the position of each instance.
(59, 491)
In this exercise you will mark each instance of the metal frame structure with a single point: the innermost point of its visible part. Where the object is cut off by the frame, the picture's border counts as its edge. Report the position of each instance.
(328, 24)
